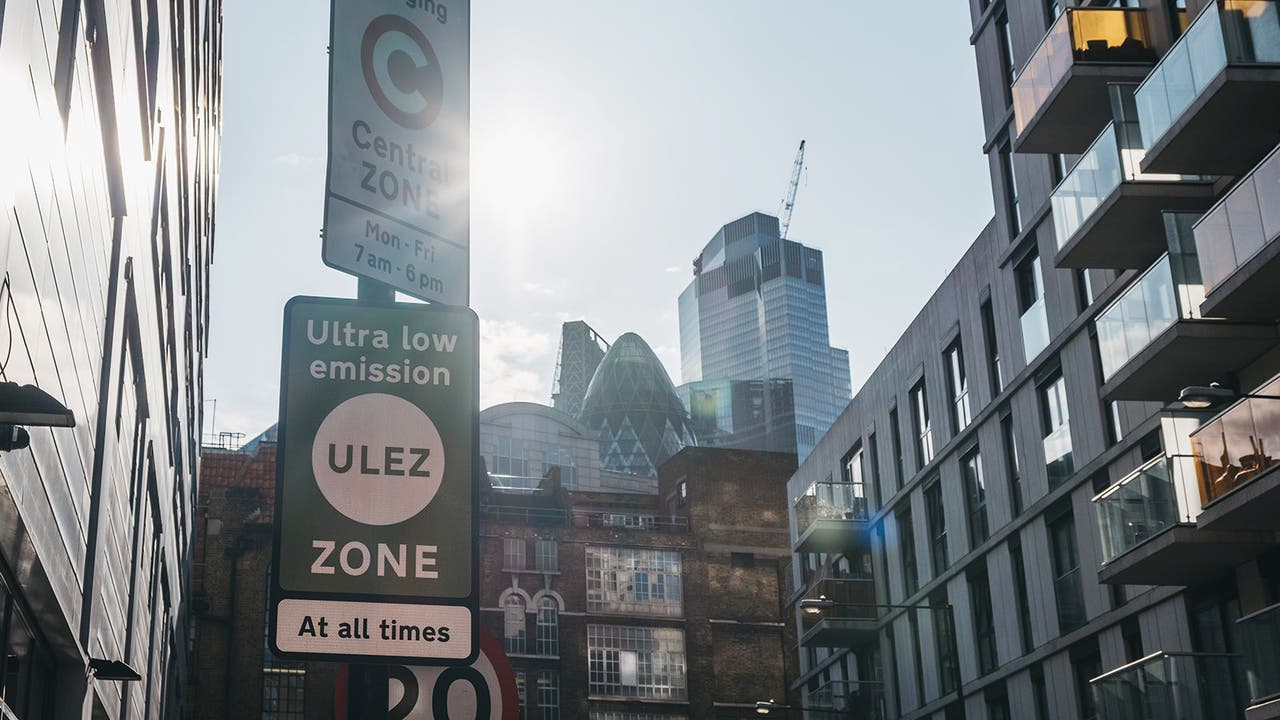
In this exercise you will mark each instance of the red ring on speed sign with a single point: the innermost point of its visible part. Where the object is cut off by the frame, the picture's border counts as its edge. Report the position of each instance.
(426, 81)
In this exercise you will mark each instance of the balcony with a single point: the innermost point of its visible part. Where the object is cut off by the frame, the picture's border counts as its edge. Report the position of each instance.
(1187, 686)
(831, 517)
(1236, 456)
(1060, 95)
(850, 698)
(630, 521)
(1152, 341)
(848, 621)
(1237, 240)
(1107, 212)
(1260, 633)
(1211, 104)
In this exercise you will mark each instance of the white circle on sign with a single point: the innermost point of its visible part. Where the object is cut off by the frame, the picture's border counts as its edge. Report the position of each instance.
(378, 459)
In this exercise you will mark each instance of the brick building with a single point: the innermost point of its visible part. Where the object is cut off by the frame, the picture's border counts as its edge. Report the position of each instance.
(610, 605)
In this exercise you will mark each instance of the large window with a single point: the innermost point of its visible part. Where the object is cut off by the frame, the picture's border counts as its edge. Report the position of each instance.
(548, 695)
(514, 631)
(515, 554)
(920, 424)
(548, 558)
(899, 463)
(936, 515)
(984, 627)
(994, 367)
(907, 546)
(1020, 595)
(975, 498)
(1067, 588)
(957, 388)
(558, 457)
(1012, 466)
(1007, 68)
(1055, 418)
(634, 581)
(1012, 203)
(640, 662)
(944, 637)
(873, 469)
(548, 637)
(508, 457)
(852, 474)
(1029, 279)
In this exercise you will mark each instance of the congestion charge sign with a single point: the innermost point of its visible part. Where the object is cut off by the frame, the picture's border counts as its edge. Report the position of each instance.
(397, 205)
(376, 490)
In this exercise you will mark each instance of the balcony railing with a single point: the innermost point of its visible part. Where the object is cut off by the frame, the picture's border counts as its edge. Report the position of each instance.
(629, 521)
(1111, 161)
(515, 514)
(1187, 686)
(1145, 503)
(1241, 224)
(830, 501)
(1166, 293)
(855, 699)
(1081, 35)
(1238, 445)
(1058, 458)
(1261, 635)
(1235, 32)
(1035, 330)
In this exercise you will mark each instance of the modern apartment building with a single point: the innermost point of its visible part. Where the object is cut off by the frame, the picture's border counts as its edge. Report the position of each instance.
(756, 310)
(1056, 496)
(109, 148)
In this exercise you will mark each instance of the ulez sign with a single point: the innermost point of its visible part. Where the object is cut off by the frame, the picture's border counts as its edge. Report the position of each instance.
(397, 206)
(375, 541)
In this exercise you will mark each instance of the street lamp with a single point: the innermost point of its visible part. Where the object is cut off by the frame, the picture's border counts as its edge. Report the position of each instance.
(764, 707)
(28, 405)
(1200, 397)
(816, 607)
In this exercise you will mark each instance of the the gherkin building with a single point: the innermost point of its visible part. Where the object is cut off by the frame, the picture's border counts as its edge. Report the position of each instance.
(632, 407)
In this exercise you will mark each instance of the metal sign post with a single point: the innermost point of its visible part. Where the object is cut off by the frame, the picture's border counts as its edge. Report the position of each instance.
(375, 539)
(397, 205)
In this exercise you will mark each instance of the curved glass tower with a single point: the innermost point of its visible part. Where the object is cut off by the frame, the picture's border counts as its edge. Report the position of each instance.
(632, 407)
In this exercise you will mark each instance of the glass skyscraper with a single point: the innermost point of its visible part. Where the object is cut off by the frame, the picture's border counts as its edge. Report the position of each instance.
(757, 310)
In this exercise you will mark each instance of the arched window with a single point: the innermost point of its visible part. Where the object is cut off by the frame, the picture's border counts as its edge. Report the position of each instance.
(548, 637)
(513, 630)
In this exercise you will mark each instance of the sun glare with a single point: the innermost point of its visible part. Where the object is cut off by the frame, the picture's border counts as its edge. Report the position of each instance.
(518, 173)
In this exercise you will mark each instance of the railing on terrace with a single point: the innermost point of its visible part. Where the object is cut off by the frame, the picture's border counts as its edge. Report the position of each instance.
(831, 501)
(629, 521)
(1239, 444)
(515, 483)
(1241, 224)
(1187, 686)
(1227, 32)
(1167, 292)
(1260, 633)
(1145, 503)
(515, 514)
(1080, 35)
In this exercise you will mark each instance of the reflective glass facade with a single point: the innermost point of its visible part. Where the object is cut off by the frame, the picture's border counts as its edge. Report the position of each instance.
(757, 310)
(745, 414)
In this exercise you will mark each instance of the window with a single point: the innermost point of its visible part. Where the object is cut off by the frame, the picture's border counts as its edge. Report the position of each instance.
(1031, 308)
(509, 457)
(1010, 180)
(1039, 691)
(873, 469)
(899, 461)
(1115, 429)
(984, 628)
(1012, 466)
(945, 641)
(1086, 663)
(997, 701)
(514, 554)
(548, 627)
(975, 498)
(1084, 288)
(548, 558)
(994, 368)
(1020, 595)
(917, 650)
(920, 424)
(907, 544)
(1007, 67)
(283, 685)
(513, 627)
(935, 515)
(522, 694)
(1067, 588)
(641, 662)
(1053, 8)
(1055, 420)
(1131, 635)
(634, 581)
(559, 458)
(1178, 17)
(851, 473)
(958, 388)
(548, 695)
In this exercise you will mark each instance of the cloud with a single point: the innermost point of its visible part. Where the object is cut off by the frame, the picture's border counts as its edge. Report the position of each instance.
(538, 288)
(673, 269)
(294, 160)
(516, 363)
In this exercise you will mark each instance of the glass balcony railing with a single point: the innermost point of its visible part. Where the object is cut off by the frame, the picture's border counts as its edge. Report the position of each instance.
(1035, 330)
(1111, 161)
(1238, 445)
(1145, 503)
(1260, 633)
(1167, 292)
(1227, 32)
(1080, 35)
(850, 698)
(1058, 459)
(1187, 686)
(1241, 224)
(830, 501)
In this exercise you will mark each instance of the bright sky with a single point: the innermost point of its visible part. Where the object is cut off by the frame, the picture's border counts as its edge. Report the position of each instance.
(610, 140)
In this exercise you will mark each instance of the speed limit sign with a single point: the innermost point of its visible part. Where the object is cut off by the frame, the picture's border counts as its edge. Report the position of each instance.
(484, 690)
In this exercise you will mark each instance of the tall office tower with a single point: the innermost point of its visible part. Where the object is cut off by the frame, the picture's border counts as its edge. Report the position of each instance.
(109, 151)
(1040, 505)
(757, 310)
(581, 350)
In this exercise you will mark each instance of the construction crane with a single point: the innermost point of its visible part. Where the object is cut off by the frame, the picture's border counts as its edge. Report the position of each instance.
(789, 202)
